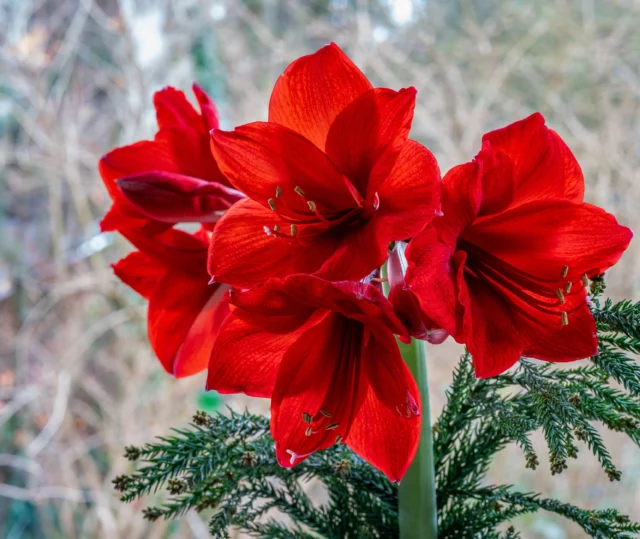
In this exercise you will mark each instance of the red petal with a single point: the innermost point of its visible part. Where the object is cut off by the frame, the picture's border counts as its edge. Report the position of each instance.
(410, 195)
(491, 334)
(279, 299)
(498, 180)
(273, 306)
(181, 305)
(546, 338)
(313, 90)
(175, 198)
(386, 430)
(175, 249)
(175, 149)
(321, 365)
(140, 272)
(539, 324)
(542, 237)
(406, 304)
(573, 177)
(378, 121)
(190, 154)
(242, 254)
(461, 199)
(432, 276)
(260, 157)
(544, 167)
(173, 109)
(208, 109)
(195, 351)
(124, 216)
(261, 354)
(360, 250)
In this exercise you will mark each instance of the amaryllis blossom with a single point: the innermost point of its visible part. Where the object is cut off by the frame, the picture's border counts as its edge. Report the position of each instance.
(326, 355)
(172, 178)
(504, 269)
(185, 312)
(331, 178)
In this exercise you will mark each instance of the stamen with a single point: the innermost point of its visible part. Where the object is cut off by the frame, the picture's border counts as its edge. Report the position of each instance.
(565, 271)
(585, 280)
(294, 230)
(276, 228)
(278, 192)
(312, 205)
(325, 413)
(308, 432)
(332, 426)
(565, 319)
(295, 455)
(379, 280)
(338, 439)
(567, 287)
(272, 204)
(307, 418)
(560, 296)
(299, 190)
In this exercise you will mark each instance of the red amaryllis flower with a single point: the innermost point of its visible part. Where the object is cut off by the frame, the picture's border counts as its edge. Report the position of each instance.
(332, 178)
(504, 269)
(185, 312)
(326, 355)
(173, 178)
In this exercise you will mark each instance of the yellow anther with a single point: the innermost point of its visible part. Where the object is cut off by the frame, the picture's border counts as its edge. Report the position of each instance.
(567, 287)
(332, 426)
(299, 190)
(312, 205)
(560, 295)
(272, 204)
(565, 271)
(307, 418)
(308, 431)
(276, 228)
(585, 281)
(294, 230)
(325, 413)
(278, 192)
(338, 439)
(565, 319)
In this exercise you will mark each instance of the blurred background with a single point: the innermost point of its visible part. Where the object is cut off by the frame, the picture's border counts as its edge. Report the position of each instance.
(77, 379)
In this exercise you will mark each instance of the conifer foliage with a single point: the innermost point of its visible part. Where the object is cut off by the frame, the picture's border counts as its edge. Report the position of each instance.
(225, 465)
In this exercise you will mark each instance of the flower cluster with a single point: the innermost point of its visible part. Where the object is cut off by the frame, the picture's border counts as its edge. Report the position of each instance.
(279, 293)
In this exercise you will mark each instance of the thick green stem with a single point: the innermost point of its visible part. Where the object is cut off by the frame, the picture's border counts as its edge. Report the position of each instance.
(417, 490)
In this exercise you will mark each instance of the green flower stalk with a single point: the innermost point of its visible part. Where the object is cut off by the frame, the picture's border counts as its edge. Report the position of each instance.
(417, 509)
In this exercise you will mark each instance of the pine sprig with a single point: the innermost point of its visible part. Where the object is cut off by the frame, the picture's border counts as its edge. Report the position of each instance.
(226, 466)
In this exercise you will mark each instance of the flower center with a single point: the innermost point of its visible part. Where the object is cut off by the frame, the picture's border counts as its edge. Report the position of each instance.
(295, 216)
(520, 287)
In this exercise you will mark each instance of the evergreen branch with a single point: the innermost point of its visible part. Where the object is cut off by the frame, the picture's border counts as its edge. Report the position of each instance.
(227, 464)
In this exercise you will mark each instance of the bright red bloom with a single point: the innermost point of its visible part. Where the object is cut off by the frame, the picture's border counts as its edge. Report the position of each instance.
(332, 178)
(503, 269)
(326, 355)
(173, 178)
(185, 312)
